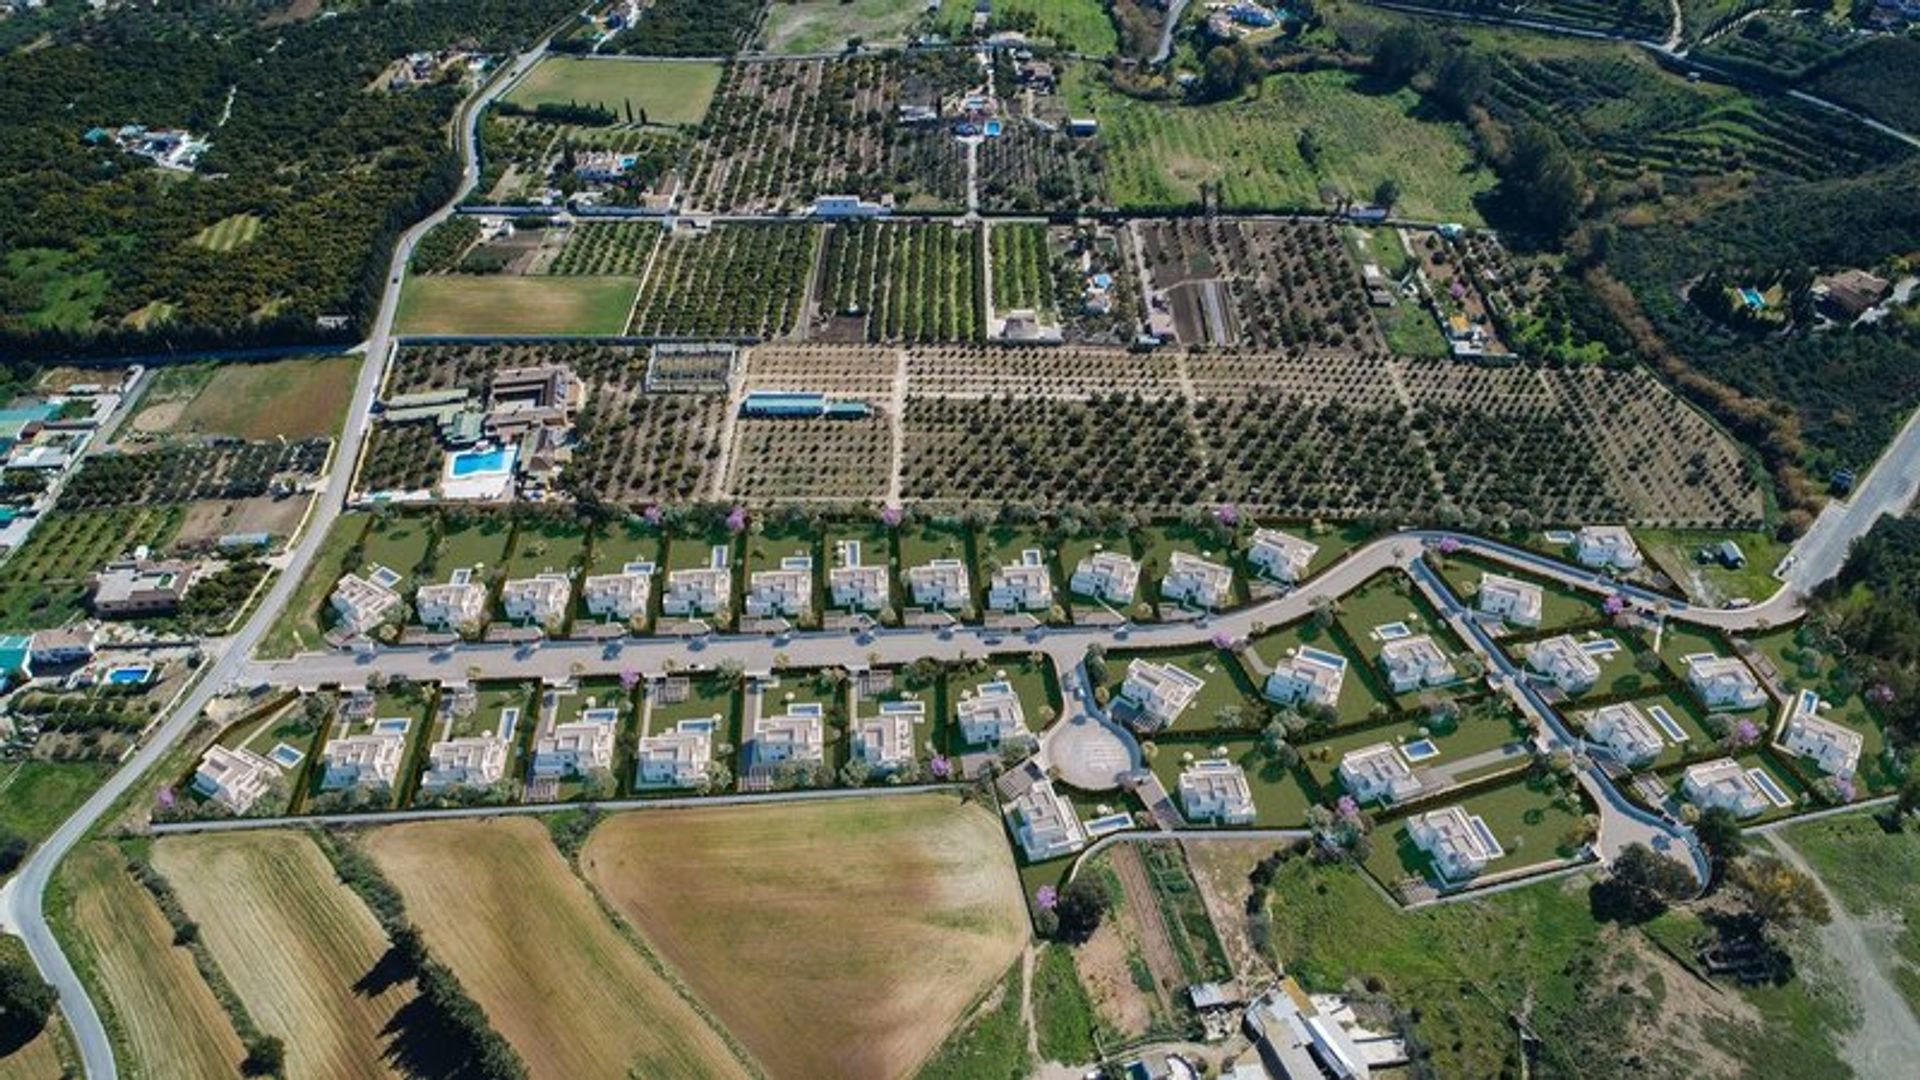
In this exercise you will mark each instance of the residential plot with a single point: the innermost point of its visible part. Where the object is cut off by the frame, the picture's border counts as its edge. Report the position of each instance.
(1387, 610)
(1157, 545)
(1357, 700)
(674, 92)
(1281, 796)
(1468, 747)
(1802, 659)
(546, 545)
(1225, 701)
(1532, 824)
(43, 584)
(897, 986)
(296, 945)
(1696, 562)
(1007, 545)
(476, 304)
(499, 906)
(1560, 606)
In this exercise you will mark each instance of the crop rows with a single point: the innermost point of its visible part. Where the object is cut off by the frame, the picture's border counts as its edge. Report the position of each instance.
(1028, 170)
(618, 247)
(183, 473)
(1293, 284)
(1022, 268)
(730, 281)
(1276, 452)
(778, 460)
(912, 282)
(401, 457)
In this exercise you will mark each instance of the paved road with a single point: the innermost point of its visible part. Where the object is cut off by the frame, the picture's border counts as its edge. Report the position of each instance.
(22, 901)
(1888, 488)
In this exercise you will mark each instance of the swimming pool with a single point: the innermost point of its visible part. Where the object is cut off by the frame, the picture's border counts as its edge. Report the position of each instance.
(1768, 788)
(285, 756)
(1392, 631)
(992, 129)
(509, 719)
(482, 462)
(1752, 298)
(392, 725)
(1419, 750)
(804, 708)
(602, 715)
(1601, 647)
(697, 726)
(996, 688)
(1667, 723)
(129, 676)
(1111, 823)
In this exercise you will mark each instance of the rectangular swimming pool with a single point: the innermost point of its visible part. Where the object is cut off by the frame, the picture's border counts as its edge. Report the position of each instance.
(129, 676)
(1392, 631)
(1419, 750)
(482, 462)
(1667, 723)
(1768, 788)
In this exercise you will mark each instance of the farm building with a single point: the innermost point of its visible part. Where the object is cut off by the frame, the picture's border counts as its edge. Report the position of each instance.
(137, 587)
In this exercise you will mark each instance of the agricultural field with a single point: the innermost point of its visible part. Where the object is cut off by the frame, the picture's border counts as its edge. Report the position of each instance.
(1270, 285)
(1275, 450)
(292, 399)
(473, 304)
(602, 248)
(178, 473)
(43, 585)
(729, 281)
(672, 93)
(235, 230)
(1022, 268)
(909, 282)
(401, 457)
(1028, 169)
(168, 1020)
(898, 986)
(781, 134)
(559, 980)
(1245, 154)
(825, 460)
(1077, 26)
(295, 944)
(810, 26)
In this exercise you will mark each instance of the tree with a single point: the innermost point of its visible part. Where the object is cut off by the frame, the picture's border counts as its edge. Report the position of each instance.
(1643, 882)
(26, 1000)
(1386, 193)
(13, 850)
(1543, 182)
(1779, 894)
(1227, 70)
(1403, 52)
(266, 1056)
(1463, 79)
(1719, 832)
(1083, 903)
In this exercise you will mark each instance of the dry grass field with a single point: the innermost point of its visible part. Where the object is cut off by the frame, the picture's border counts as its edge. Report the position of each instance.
(501, 908)
(294, 942)
(172, 1024)
(38, 1059)
(470, 304)
(299, 399)
(835, 939)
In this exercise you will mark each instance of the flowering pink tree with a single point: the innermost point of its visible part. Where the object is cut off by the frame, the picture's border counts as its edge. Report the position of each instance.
(651, 515)
(1745, 733)
(1843, 788)
(1880, 694)
(1614, 604)
(891, 516)
(940, 767)
(1046, 898)
(1227, 514)
(1447, 545)
(629, 679)
(737, 519)
(1223, 640)
(164, 798)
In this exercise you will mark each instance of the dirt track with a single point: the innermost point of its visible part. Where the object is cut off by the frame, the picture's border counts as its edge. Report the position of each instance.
(1154, 943)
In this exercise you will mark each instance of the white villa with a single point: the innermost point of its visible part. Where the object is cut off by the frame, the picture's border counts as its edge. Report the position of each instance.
(1518, 602)
(1565, 663)
(1459, 843)
(1724, 682)
(460, 604)
(791, 736)
(1025, 585)
(1108, 575)
(991, 715)
(1161, 691)
(620, 596)
(1834, 747)
(579, 746)
(1413, 662)
(366, 759)
(785, 591)
(1191, 579)
(1626, 733)
(234, 778)
(360, 605)
(1606, 547)
(676, 758)
(541, 599)
(885, 741)
(701, 590)
(1280, 556)
(1726, 783)
(856, 585)
(1379, 773)
(1310, 675)
(1215, 790)
(942, 584)
(471, 761)
(1044, 823)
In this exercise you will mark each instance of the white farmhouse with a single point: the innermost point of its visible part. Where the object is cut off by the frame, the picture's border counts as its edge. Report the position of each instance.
(1280, 556)
(1413, 662)
(1025, 585)
(1044, 823)
(1625, 732)
(855, 585)
(942, 585)
(1313, 676)
(1459, 843)
(1160, 691)
(1107, 575)
(459, 604)
(1515, 601)
(234, 778)
(622, 596)
(1724, 682)
(541, 599)
(1191, 579)
(991, 715)
(1563, 662)
(1216, 790)
(1724, 783)
(1834, 747)
(1378, 773)
(701, 590)
(784, 591)
(1606, 547)
(678, 758)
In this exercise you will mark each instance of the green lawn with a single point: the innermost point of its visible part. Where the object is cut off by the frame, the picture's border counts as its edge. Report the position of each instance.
(298, 629)
(1804, 665)
(664, 92)
(1560, 606)
(1227, 685)
(52, 294)
(1279, 798)
(481, 542)
(36, 796)
(547, 545)
(1530, 825)
(623, 542)
(1462, 970)
(547, 304)
(708, 696)
(1391, 598)
(1080, 26)
(1674, 551)
(1472, 735)
(1158, 155)
(400, 543)
(229, 232)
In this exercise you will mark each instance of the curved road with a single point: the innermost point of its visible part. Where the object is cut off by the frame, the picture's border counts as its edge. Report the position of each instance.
(22, 900)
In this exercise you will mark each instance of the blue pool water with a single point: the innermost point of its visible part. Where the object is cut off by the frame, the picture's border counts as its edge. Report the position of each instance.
(1101, 826)
(285, 756)
(480, 462)
(1392, 631)
(1752, 298)
(1667, 723)
(129, 676)
(1768, 788)
(1420, 750)
(992, 129)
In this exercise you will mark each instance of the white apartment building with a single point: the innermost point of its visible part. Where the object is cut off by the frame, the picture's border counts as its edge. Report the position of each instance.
(1414, 662)
(701, 590)
(1191, 579)
(1313, 676)
(942, 585)
(1160, 691)
(1280, 556)
(1025, 585)
(1378, 773)
(1108, 575)
(1216, 790)
(1562, 661)
(1515, 601)
(622, 596)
